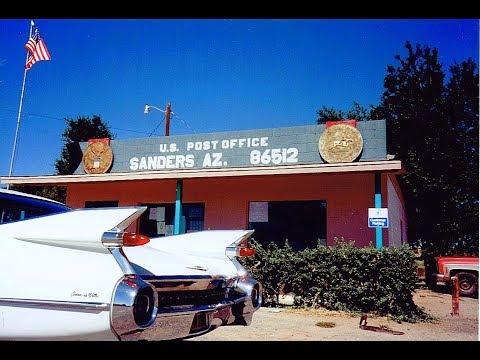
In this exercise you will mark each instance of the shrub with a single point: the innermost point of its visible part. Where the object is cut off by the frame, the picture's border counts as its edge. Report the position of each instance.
(340, 277)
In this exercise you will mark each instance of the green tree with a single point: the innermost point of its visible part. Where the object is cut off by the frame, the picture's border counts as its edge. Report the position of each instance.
(79, 130)
(82, 129)
(429, 126)
(51, 192)
(432, 127)
(357, 112)
(412, 106)
(461, 112)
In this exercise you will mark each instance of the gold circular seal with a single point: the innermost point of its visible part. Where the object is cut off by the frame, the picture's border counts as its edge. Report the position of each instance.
(97, 158)
(340, 143)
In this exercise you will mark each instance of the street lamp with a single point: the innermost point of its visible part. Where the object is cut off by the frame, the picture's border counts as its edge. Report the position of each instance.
(177, 226)
(167, 115)
(147, 109)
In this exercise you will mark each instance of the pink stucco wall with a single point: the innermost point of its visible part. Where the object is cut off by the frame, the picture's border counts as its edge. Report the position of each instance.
(397, 230)
(348, 198)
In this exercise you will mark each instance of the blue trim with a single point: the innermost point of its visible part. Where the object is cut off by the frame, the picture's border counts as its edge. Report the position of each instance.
(378, 204)
(177, 228)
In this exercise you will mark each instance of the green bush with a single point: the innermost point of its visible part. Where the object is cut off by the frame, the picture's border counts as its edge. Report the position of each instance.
(340, 277)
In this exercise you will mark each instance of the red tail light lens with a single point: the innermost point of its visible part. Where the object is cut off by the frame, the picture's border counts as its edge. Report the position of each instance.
(132, 239)
(246, 251)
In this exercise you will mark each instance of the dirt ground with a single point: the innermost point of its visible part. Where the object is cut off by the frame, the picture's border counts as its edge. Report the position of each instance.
(286, 323)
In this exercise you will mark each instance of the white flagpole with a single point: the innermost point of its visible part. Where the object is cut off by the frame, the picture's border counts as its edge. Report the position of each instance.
(19, 110)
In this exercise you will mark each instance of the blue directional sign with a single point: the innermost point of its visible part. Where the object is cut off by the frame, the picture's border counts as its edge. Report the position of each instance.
(378, 217)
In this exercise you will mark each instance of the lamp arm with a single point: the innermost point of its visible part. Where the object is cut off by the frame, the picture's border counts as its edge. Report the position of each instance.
(147, 107)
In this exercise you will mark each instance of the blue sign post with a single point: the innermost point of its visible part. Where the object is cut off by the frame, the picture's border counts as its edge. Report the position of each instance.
(178, 224)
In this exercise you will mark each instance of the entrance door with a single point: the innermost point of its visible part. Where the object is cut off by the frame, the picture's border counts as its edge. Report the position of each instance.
(302, 223)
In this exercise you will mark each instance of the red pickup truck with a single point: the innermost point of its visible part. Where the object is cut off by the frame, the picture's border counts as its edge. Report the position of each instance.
(463, 267)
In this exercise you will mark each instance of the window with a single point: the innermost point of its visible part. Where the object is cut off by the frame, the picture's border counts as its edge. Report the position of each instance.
(99, 204)
(302, 223)
(159, 219)
(15, 207)
(194, 217)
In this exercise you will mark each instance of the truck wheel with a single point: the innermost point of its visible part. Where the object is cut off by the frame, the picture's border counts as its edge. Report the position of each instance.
(467, 283)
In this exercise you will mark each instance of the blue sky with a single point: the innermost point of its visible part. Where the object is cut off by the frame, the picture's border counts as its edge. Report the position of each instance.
(218, 74)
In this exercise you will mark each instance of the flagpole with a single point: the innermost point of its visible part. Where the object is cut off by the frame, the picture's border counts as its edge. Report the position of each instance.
(10, 171)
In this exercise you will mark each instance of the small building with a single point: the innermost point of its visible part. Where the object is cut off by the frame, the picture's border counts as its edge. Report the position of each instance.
(304, 184)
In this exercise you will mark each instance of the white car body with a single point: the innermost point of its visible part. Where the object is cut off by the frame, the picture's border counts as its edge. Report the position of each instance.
(69, 275)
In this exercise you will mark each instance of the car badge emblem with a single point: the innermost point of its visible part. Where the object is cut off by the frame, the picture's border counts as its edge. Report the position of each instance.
(197, 267)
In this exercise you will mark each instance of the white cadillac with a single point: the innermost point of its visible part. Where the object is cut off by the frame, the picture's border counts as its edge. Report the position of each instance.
(76, 274)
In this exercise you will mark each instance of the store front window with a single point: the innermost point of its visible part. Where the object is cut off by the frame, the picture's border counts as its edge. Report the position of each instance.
(302, 223)
(158, 219)
(100, 204)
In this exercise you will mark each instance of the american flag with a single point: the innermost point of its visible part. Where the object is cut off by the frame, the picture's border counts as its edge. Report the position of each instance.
(37, 49)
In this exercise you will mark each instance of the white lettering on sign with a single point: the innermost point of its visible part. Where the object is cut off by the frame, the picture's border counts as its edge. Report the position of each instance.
(274, 156)
(202, 145)
(214, 159)
(227, 144)
(378, 222)
(162, 162)
(262, 155)
(168, 148)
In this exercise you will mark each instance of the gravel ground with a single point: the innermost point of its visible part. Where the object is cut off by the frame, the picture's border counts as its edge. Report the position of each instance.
(288, 324)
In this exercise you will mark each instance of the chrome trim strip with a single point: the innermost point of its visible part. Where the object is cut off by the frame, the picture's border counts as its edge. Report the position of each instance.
(112, 238)
(188, 285)
(177, 277)
(198, 309)
(241, 271)
(124, 224)
(122, 261)
(55, 305)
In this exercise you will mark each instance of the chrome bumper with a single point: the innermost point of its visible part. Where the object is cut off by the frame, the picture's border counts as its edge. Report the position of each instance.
(440, 278)
(244, 297)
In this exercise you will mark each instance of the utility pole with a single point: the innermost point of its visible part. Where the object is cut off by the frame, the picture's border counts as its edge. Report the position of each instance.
(167, 119)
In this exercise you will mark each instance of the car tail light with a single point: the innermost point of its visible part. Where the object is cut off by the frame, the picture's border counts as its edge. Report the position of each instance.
(132, 239)
(240, 248)
(119, 238)
(239, 251)
(246, 251)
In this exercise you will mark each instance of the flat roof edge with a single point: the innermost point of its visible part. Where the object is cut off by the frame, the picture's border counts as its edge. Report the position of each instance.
(394, 166)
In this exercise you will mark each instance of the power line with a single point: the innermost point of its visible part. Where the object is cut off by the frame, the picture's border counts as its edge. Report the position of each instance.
(60, 119)
(167, 112)
(188, 126)
(135, 131)
(157, 126)
(113, 128)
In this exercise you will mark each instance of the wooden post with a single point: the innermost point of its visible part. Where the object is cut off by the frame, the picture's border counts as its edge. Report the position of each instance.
(167, 119)
(455, 296)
